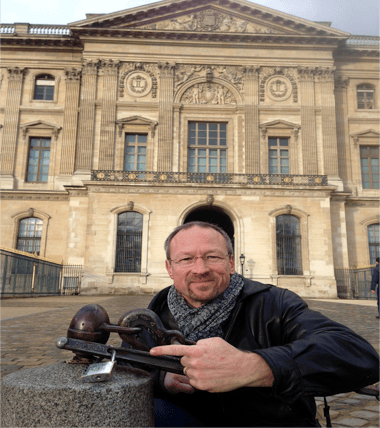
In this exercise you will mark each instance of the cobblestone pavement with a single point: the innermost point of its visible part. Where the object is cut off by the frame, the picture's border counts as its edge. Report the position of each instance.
(30, 327)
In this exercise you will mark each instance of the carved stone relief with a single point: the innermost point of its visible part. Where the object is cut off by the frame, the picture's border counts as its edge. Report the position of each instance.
(278, 84)
(138, 79)
(210, 20)
(232, 74)
(208, 93)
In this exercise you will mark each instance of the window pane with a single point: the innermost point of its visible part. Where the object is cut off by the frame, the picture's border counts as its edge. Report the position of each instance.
(129, 242)
(202, 126)
(288, 241)
(202, 141)
(213, 127)
(272, 141)
(130, 138)
(141, 138)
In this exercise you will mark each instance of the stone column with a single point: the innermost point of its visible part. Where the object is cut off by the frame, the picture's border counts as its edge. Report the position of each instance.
(70, 121)
(343, 138)
(330, 149)
(165, 117)
(251, 120)
(109, 71)
(308, 122)
(83, 159)
(11, 120)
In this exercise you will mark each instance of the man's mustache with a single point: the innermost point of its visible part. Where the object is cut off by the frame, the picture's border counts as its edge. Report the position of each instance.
(197, 278)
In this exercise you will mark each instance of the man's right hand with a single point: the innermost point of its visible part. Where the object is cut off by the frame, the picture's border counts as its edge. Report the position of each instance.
(175, 383)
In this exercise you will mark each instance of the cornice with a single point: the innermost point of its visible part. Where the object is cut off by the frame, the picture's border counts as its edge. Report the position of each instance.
(298, 39)
(40, 41)
(19, 195)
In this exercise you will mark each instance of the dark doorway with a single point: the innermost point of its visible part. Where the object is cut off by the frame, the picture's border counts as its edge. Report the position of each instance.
(214, 215)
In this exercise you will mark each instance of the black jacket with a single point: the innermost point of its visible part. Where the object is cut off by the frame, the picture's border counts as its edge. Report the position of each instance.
(375, 277)
(309, 355)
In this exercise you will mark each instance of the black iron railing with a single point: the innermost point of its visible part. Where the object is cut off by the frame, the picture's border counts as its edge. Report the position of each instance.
(208, 178)
(354, 283)
(25, 274)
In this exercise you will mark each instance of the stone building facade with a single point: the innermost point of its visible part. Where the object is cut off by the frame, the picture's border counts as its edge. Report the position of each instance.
(118, 128)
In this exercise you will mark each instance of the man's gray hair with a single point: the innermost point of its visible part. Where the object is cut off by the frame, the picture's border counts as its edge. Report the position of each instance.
(198, 224)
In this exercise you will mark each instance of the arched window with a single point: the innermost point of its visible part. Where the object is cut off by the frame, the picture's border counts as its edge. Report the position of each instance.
(29, 235)
(129, 242)
(366, 97)
(44, 87)
(288, 241)
(373, 242)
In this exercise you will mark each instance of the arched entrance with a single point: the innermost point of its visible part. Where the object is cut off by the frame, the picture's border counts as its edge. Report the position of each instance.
(214, 215)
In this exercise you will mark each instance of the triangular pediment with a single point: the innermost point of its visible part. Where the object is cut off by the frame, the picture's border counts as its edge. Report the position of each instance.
(207, 16)
(369, 133)
(280, 124)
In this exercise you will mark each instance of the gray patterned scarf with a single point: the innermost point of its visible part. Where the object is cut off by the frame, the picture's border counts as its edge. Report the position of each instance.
(205, 321)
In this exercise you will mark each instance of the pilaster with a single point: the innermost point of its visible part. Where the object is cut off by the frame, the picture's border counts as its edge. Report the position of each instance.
(330, 149)
(109, 70)
(70, 121)
(83, 159)
(11, 120)
(251, 120)
(343, 139)
(308, 122)
(165, 117)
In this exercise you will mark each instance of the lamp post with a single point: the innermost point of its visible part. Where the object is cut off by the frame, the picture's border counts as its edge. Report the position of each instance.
(242, 259)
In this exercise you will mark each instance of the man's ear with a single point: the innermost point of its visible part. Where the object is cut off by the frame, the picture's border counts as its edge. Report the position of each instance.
(232, 265)
(169, 268)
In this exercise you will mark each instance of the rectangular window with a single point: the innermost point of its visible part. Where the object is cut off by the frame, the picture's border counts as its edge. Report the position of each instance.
(373, 241)
(39, 159)
(135, 152)
(369, 162)
(207, 147)
(278, 155)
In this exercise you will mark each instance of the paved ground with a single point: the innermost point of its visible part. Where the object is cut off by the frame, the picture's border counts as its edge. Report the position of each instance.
(30, 327)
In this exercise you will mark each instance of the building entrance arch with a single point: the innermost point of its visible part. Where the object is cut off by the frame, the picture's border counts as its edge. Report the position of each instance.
(214, 215)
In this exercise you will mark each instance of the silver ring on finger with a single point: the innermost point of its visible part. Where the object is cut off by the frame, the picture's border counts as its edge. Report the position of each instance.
(185, 370)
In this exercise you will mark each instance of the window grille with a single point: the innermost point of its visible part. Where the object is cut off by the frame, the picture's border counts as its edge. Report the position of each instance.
(135, 152)
(365, 95)
(369, 162)
(207, 150)
(373, 241)
(278, 155)
(129, 242)
(29, 235)
(288, 239)
(44, 87)
(39, 159)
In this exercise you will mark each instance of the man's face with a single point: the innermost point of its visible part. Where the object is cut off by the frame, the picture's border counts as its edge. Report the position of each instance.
(201, 282)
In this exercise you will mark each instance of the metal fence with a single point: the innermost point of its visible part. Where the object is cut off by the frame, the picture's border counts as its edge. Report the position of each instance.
(354, 283)
(71, 279)
(24, 274)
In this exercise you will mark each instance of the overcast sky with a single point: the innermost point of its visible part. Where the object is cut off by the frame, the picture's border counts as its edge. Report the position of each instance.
(359, 17)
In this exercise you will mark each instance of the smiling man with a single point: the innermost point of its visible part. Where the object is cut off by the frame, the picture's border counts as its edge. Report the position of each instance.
(260, 356)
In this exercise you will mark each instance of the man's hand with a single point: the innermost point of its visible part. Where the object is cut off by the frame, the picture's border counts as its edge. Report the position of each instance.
(175, 383)
(216, 366)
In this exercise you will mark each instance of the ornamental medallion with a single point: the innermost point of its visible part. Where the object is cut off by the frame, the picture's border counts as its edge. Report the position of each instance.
(138, 84)
(278, 88)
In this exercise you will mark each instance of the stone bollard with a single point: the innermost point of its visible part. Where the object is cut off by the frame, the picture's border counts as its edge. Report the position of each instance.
(55, 396)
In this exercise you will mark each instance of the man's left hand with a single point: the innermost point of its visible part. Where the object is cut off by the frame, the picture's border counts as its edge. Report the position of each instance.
(216, 366)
